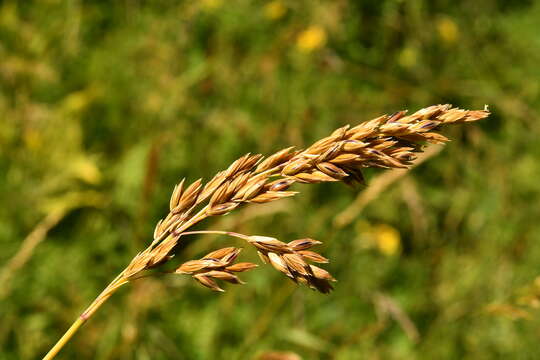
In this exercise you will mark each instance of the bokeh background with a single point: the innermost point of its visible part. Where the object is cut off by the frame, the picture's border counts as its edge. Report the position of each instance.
(104, 106)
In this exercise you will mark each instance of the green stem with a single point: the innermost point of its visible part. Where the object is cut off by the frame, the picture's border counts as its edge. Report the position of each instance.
(65, 338)
(96, 304)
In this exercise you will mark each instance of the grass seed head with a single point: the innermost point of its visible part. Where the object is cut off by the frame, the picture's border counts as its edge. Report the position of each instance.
(388, 142)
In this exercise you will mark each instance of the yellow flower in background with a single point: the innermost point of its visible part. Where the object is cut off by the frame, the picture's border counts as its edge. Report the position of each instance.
(387, 239)
(275, 10)
(408, 57)
(211, 4)
(448, 30)
(312, 38)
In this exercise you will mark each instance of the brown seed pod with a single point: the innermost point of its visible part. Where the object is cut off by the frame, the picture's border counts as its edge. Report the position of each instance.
(177, 193)
(221, 209)
(280, 157)
(296, 263)
(280, 184)
(208, 282)
(191, 266)
(241, 267)
(272, 196)
(221, 253)
(223, 275)
(313, 256)
(212, 186)
(303, 244)
(279, 264)
(296, 167)
(321, 273)
(267, 243)
(332, 170)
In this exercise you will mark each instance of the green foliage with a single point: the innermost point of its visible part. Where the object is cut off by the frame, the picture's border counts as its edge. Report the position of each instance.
(106, 105)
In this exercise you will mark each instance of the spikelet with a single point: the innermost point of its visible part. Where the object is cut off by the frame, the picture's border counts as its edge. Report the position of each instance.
(217, 265)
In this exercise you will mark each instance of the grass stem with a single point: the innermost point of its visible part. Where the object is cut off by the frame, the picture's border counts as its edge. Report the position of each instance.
(94, 306)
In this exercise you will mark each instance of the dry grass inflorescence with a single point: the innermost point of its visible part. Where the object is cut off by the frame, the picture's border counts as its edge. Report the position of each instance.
(389, 141)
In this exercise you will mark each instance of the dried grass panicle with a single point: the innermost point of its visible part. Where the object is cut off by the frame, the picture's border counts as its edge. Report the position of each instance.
(389, 141)
(384, 142)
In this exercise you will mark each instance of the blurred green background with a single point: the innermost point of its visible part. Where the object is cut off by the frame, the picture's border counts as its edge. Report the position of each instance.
(104, 106)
